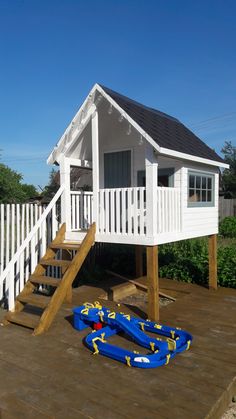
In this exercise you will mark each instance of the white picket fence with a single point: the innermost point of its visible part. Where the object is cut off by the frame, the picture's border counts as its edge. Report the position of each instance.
(25, 233)
(16, 221)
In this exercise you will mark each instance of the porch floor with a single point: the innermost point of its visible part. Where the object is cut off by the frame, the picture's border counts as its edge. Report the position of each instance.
(55, 376)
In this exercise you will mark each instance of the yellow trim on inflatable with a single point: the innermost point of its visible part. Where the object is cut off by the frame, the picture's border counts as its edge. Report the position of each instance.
(88, 305)
(127, 358)
(167, 359)
(95, 346)
(85, 311)
(97, 305)
(112, 315)
(101, 314)
(152, 346)
(171, 344)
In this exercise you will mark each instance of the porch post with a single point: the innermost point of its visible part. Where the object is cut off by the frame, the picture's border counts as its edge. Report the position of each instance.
(212, 251)
(153, 283)
(151, 165)
(95, 163)
(65, 198)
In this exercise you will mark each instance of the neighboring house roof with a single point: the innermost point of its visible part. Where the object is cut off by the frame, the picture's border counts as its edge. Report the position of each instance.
(166, 131)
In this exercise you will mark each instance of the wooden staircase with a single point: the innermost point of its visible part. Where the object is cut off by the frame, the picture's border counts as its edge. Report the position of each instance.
(37, 311)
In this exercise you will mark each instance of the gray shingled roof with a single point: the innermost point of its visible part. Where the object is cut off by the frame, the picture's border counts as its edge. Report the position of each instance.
(166, 131)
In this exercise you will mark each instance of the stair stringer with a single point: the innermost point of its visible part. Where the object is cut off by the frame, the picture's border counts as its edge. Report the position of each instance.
(65, 283)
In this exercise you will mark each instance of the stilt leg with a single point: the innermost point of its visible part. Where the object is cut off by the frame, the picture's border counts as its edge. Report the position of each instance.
(153, 283)
(212, 251)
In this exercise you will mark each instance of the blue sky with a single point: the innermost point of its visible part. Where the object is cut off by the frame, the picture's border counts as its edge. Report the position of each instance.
(175, 55)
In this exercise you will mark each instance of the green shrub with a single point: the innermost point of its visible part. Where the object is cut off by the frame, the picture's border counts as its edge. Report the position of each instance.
(227, 266)
(227, 227)
(188, 261)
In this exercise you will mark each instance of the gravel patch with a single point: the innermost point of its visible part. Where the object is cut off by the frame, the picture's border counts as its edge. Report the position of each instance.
(230, 413)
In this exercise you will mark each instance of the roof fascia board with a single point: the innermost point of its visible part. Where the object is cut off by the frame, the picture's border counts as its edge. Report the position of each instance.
(57, 149)
(184, 156)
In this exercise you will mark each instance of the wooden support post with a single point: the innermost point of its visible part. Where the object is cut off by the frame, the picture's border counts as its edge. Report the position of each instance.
(139, 260)
(153, 283)
(212, 251)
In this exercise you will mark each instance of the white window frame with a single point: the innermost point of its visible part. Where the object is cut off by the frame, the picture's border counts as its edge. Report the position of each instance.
(201, 174)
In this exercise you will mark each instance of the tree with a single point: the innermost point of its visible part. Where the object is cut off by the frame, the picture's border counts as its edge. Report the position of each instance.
(29, 190)
(229, 175)
(11, 188)
(53, 185)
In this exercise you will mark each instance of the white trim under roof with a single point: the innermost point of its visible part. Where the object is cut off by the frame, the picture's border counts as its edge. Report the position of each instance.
(70, 136)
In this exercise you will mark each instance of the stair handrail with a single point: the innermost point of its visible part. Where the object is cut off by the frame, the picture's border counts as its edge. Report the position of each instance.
(32, 232)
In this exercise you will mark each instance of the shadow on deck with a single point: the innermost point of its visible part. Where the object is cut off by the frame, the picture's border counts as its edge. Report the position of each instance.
(55, 376)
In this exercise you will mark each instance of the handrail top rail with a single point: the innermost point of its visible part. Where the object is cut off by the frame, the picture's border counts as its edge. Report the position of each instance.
(123, 189)
(81, 192)
(32, 232)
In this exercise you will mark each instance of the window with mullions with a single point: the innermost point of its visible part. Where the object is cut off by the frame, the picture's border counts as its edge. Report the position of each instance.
(200, 189)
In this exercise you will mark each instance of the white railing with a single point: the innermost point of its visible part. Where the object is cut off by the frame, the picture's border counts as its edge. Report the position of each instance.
(81, 209)
(24, 261)
(122, 211)
(16, 221)
(168, 210)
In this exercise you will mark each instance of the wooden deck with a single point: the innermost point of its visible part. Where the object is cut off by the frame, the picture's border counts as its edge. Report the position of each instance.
(55, 376)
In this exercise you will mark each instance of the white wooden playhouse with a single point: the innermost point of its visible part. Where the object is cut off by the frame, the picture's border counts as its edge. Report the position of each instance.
(151, 181)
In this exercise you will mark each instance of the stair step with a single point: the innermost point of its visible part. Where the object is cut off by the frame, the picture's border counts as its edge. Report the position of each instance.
(66, 246)
(44, 280)
(22, 318)
(36, 300)
(55, 262)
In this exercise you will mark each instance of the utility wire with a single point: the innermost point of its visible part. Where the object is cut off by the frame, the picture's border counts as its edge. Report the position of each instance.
(209, 121)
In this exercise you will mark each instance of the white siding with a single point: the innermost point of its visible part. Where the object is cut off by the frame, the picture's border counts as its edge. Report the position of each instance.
(199, 221)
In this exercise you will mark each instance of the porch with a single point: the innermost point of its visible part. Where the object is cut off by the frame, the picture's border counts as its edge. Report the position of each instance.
(123, 214)
(54, 375)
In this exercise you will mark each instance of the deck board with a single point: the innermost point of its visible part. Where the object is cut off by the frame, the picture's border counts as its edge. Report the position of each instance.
(54, 375)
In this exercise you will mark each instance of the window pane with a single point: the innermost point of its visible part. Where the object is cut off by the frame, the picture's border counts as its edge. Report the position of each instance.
(198, 182)
(209, 183)
(198, 195)
(209, 196)
(192, 195)
(203, 182)
(191, 181)
(203, 196)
